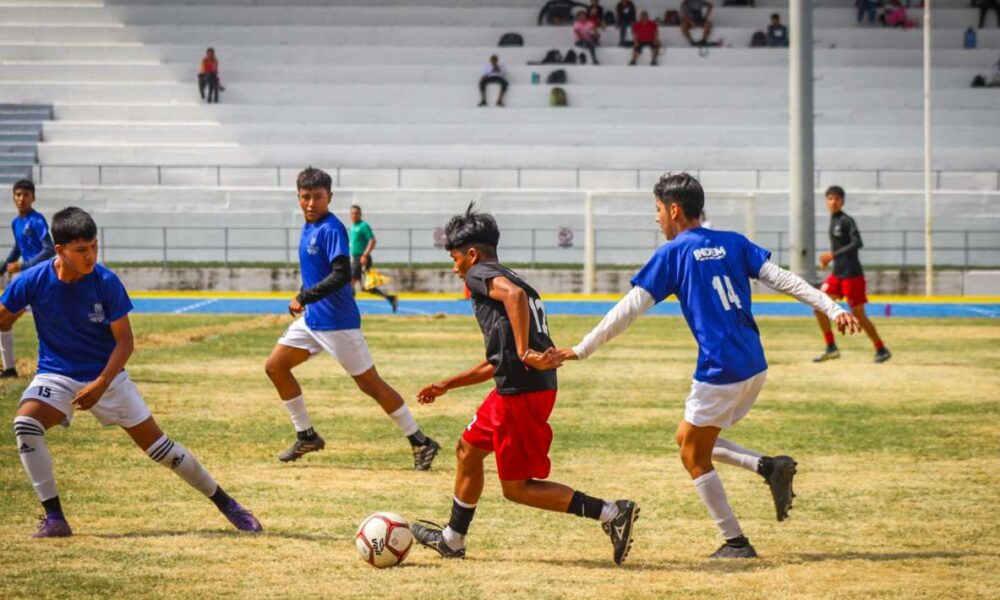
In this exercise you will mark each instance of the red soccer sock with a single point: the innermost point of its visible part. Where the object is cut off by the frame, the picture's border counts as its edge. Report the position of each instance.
(879, 345)
(828, 338)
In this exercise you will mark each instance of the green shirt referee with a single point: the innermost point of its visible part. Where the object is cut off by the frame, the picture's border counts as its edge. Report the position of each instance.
(362, 244)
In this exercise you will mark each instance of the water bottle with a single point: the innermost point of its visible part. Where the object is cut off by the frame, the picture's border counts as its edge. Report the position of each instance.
(535, 78)
(970, 38)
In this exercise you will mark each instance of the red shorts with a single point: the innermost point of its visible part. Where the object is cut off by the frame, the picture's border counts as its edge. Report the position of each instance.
(516, 428)
(852, 288)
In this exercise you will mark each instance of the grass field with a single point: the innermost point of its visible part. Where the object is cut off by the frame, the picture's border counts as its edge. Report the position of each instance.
(897, 486)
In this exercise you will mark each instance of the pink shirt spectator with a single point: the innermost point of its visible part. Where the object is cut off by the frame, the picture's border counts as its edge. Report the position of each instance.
(584, 30)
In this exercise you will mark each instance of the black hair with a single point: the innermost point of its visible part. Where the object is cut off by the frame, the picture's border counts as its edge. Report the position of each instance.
(837, 191)
(353, 206)
(312, 178)
(775, 16)
(683, 189)
(24, 184)
(71, 224)
(472, 228)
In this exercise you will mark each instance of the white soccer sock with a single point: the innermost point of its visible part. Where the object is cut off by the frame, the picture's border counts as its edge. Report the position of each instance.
(177, 458)
(712, 494)
(609, 512)
(729, 453)
(7, 349)
(35, 457)
(454, 539)
(404, 420)
(296, 408)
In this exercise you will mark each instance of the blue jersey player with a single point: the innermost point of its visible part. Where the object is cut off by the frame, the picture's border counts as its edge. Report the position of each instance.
(332, 324)
(709, 272)
(32, 245)
(84, 340)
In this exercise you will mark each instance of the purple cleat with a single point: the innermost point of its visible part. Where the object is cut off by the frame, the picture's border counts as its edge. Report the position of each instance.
(241, 518)
(49, 526)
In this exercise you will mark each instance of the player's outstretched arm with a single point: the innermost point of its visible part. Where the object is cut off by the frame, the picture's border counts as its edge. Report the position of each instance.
(789, 283)
(124, 345)
(515, 303)
(340, 275)
(477, 374)
(635, 303)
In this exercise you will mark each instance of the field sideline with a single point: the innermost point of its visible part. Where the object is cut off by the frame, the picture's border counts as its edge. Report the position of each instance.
(899, 471)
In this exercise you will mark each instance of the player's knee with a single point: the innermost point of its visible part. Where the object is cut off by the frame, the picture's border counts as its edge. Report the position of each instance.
(513, 490)
(274, 368)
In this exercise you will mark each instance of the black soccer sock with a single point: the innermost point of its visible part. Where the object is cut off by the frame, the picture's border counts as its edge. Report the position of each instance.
(738, 542)
(417, 438)
(461, 517)
(583, 505)
(378, 292)
(766, 466)
(220, 498)
(308, 434)
(53, 508)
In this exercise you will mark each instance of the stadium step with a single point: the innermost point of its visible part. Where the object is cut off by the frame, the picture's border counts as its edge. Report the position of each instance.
(20, 133)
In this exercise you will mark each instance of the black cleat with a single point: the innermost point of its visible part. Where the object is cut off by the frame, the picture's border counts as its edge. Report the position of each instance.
(432, 535)
(780, 482)
(727, 551)
(882, 355)
(8, 373)
(619, 529)
(828, 354)
(300, 447)
(424, 455)
(393, 302)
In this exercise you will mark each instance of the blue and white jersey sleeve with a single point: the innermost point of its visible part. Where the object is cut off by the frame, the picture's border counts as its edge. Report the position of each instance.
(754, 257)
(336, 243)
(658, 276)
(17, 296)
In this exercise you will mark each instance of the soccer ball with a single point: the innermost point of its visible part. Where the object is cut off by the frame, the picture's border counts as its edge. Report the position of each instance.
(384, 539)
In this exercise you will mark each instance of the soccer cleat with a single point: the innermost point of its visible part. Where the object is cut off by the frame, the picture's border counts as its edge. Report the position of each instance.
(780, 482)
(8, 373)
(619, 529)
(301, 447)
(882, 355)
(241, 518)
(432, 535)
(394, 302)
(727, 551)
(49, 526)
(482, 103)
(424, 455)
(828, 354)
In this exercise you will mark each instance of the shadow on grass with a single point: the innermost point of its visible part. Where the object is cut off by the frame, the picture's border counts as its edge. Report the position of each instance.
(887, 556)
(680, 566)
(309, 537)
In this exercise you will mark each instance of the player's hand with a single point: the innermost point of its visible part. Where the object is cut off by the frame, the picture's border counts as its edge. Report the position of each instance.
(825, 259)
(430, 393)
(90, 394)
(543, 361)
(14, 267)
(295, 307)
(365, 259)
(848, 324)
(567, 354)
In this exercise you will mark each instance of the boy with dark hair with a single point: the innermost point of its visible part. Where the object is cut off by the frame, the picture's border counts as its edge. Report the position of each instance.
(362, 243)
(331, 323)
(709, 271)
(32, 245)
(513, 419)
(777, 34)
(84, 340)
(848, 278)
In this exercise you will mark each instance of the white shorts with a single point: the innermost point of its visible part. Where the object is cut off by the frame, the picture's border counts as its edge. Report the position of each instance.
(711, 405)
(347, 346)
(120, 405)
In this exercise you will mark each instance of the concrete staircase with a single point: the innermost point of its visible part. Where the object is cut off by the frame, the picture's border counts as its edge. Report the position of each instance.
(20, 133)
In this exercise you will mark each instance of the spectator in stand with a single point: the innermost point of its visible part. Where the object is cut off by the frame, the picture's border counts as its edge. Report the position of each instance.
(695, 13)
(208, 76)
(866, 7)
(777, 34)
(586, 35)
(596, 13)
(895, 16)
(624, 18)
(986, 6)
(494, 72)
(645, 34)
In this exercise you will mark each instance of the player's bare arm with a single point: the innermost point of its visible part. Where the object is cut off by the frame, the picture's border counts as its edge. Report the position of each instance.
(124, 346)
(366, 257)
(477, 374)
(515, 302)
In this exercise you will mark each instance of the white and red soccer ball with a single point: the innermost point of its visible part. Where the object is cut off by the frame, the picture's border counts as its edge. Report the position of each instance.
(383, 539)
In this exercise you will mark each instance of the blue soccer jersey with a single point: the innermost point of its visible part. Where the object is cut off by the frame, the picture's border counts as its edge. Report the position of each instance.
(709, 271)
(73, 320)
(29, 233)
(321, 242)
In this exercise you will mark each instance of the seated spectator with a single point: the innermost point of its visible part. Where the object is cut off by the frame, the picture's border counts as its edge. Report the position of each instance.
(493, 73)
(695, 13)
(624, 18)
(645, 34)
(208, 76)
(777, 34)
(596, 16)
(866, 7)
(895, 16)
(986, 6)
(557, 12)
(586, 35)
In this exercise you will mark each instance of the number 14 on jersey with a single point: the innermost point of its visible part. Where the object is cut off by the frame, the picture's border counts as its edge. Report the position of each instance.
(726, 294)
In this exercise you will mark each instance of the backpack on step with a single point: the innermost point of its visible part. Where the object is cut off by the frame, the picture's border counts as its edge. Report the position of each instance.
(759, 40)
(570, 58)
(552, 57)
(556, 77)
(557, 97)
(511, 39)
